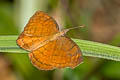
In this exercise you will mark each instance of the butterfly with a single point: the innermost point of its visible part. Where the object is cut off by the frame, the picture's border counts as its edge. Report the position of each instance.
(49, 47)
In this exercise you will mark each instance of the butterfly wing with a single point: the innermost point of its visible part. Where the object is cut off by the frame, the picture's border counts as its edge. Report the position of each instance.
(39, 28)
(40, 24)
(59, 53)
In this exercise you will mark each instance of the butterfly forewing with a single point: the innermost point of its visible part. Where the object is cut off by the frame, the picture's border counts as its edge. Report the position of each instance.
(39, 28)
(40, 24)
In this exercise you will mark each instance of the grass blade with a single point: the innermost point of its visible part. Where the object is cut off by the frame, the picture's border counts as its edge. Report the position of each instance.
(89, 48)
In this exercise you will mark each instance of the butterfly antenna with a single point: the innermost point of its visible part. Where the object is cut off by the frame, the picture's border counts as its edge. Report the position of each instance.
(66, 30)
(76, 27)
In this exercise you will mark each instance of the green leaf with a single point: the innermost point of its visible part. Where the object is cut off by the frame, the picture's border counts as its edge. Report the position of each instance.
(8, 44)
(89, 48)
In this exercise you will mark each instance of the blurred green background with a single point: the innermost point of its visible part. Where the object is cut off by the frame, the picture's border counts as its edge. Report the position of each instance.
(101, 18)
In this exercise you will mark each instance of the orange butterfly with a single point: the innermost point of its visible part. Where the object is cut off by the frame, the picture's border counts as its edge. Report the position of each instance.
(49, 48)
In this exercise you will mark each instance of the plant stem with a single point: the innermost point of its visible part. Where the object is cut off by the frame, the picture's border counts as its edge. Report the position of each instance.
(89, 48)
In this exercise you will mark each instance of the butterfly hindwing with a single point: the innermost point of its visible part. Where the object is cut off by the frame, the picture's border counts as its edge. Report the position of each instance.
(59, 53)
